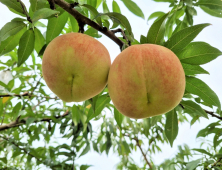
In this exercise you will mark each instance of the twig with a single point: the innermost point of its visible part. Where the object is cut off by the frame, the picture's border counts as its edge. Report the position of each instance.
(138, 144)
(52, 4)
(27, 94)
(123, 34)
(82, 19)
(18, 122)
(25, 11)
(215, 163)
(213, 115)
(23, 149)
(208, 112)
(36, 86)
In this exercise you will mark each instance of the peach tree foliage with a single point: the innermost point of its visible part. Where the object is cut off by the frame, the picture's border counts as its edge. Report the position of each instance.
(33, 120)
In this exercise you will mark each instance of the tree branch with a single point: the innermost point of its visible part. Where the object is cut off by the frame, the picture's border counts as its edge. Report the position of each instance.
(82, 19)
(138, 144)
(123, 33)
(18, 122)
(208, 112)
(27, 94)
(212, 114)
(25, 11)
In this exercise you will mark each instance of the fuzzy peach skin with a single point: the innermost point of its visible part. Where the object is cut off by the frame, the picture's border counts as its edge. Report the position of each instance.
(146, 80)
(75, 67)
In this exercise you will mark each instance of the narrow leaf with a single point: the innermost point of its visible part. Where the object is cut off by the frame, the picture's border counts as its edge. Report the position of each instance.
(215, 4)
(37, 4)
(156, 32)
(118, 117)
(120, 19)
(14, 4)
(100, 104)
(39, 40)
(74, 23)
(213, 12)
(43, 13)
(11, 42)
(85, 150)
(203, 151)
(193, 164)
(134, 8)
(55, 26)
(198, 53)
(116, 7)
(94, 12)
(182, 38)
(10, 29)
(92, 3)
(198, 87)
(156, 15)
(26, 46)
(192, 107)
(171, 126)
(193, 69)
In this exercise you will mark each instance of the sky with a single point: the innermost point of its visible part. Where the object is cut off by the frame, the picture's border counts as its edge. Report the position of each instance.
(211, 34)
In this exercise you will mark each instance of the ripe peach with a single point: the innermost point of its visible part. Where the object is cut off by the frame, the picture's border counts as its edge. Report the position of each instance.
(75, 67)
(146, 80)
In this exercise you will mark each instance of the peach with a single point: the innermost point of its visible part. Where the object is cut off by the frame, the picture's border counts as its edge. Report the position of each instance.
(75, 67)
(146, 80)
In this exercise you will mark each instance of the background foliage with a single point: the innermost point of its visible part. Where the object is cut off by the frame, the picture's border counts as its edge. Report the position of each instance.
(33, 120)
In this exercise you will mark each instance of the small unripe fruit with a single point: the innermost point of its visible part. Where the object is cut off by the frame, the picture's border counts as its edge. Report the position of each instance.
(146, 80)
(75, 67)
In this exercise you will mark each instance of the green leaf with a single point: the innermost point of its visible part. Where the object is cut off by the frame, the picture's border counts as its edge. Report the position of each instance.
(10, 29)
(93, 33)
(118, 117)
(84, 167)
(4, 159)
(198, 53)
(171, 1)
(182, 38)
(85, 150)
(171, 126)
(75, 114)
(193, 164)
(94, 13)
(143, 39)
(192, 107)
(43, 13)
(39, 40)
(92, 3)
(55, 26)
(108, 142)
(198, 87)
(116, 7)
(215, 4)
(74, 23)
(146, 126)
(105, 7)
(193, 69)
(134, 8)
(203, 151)
(30, 120)
(16, 109)
(37, 4)
(213, 12)
(26, 46)
(14, 4)
(100, 104)
(156, 15)
(11, 42)
(121, 19)
(156, 32)
(211, 128)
